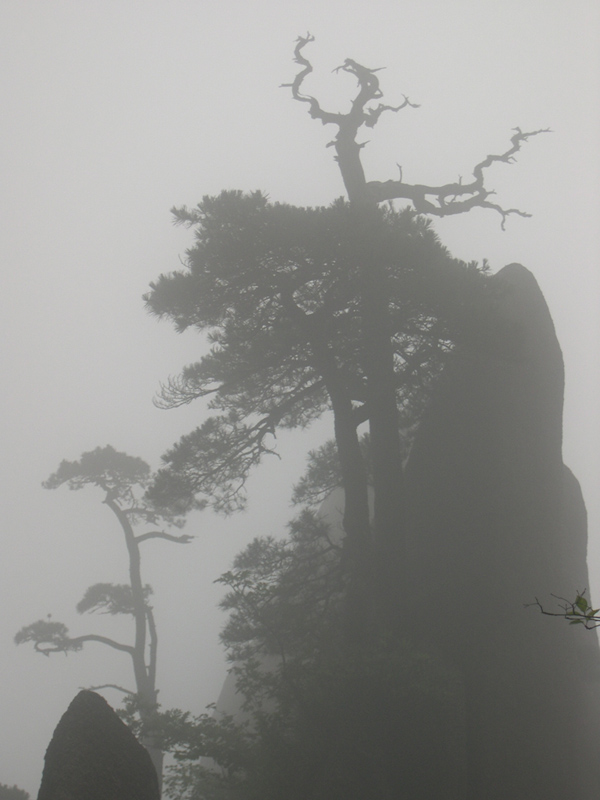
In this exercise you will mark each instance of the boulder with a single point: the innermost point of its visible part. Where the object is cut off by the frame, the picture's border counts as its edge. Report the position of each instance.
(94, 756)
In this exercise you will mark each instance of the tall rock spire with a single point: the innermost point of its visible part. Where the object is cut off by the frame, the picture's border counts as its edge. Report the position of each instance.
(496, 521)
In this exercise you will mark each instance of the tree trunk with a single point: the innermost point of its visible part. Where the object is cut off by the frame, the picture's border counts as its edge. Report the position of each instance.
(144, 674)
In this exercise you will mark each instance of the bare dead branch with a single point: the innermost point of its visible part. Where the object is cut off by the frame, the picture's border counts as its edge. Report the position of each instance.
(441, 201)
(110, 686)
(444, 200)
(347, 149)
(295, 86)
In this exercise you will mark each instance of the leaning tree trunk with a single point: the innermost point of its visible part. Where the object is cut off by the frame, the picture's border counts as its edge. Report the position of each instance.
(145, 674)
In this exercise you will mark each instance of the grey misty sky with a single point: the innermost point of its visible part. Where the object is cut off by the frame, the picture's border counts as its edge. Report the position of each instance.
(114, 112)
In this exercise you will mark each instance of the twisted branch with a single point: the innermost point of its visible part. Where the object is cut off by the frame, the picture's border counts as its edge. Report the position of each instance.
(368, 84)
(183, 539)
(76, 643)
(440, 201)
(346, 147)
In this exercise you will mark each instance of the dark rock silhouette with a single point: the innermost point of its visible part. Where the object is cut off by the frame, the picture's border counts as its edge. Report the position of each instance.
(496, 521)
(94, 756)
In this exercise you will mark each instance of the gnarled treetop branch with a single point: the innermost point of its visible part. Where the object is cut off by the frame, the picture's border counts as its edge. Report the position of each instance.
(441, 201)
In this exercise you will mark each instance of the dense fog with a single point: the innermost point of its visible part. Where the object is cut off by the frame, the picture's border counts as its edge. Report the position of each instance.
(116, 112)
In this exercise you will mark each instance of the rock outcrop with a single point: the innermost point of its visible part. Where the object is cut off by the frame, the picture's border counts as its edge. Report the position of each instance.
(496, 521)
(94, 756)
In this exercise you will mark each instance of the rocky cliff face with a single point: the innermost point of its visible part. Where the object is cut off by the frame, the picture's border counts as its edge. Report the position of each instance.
(94, 756)
(496, 520)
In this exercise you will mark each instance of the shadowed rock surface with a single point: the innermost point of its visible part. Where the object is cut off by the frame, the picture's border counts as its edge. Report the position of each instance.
(497, 520)
(94, 756)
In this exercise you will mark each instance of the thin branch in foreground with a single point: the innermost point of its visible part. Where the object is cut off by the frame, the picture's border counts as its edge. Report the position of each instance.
(578, 612)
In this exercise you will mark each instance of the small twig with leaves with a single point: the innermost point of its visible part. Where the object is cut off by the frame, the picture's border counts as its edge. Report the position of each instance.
(577, 612)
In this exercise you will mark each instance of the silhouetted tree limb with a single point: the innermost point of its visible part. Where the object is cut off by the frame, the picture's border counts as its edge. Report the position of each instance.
(114, 686)
(441, 201)
(222, 451)
(93, 637)
(53, 637)
(183, 539)
(110, 598)
(345, 144)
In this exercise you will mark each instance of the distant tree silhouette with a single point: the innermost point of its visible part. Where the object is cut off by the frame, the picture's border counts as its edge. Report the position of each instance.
(123, 480)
